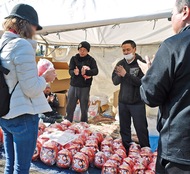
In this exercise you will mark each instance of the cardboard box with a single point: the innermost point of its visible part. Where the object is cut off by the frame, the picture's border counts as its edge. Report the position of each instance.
(115, 98)
(41, 57)
(62, 82)
(104, 108)
(62, 97)
(60, 85)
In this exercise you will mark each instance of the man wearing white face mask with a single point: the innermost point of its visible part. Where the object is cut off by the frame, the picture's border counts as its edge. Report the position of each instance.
(128, 74)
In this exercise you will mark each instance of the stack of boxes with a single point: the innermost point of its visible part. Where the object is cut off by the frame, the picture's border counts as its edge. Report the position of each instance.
(61, 84)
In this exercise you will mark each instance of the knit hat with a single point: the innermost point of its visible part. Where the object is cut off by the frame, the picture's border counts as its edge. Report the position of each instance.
(84, 44)
(25, 12)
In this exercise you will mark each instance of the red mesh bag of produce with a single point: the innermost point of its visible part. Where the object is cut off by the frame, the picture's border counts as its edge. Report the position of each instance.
(99, 136)
(92, 144)
(121, 153)
(116, 159)
(64, 159)
(100, 159)
(66, 123)
(128, 161)
(125, 169)
(107, 151)
(37, 150)
(73, 148)
(80, 162)
(86, 68)
(134, 147)
(109, 168)
(138, 169)
(48, 154)
(88, 152)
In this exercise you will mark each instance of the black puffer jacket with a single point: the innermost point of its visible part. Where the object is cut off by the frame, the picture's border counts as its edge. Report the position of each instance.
(130, 84)
(77, 61)
(167, 85)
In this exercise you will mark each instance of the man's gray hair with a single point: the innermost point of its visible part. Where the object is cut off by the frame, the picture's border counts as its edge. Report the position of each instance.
(181, 3)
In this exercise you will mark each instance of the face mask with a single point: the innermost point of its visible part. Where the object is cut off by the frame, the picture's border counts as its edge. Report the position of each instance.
(129, 56)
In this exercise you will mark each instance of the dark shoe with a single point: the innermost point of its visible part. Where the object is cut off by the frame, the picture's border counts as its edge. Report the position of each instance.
(48, 120)
(57, 116)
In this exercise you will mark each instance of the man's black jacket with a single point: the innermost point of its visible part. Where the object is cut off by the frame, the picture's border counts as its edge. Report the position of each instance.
(79, 62)
(167, 85)
(130, 83)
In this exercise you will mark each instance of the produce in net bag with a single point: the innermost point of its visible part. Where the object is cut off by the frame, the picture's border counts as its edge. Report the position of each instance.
(109, 167)
(116, 159)
(147, 156)
(66, 122)
(99, 136)
(134, 147)
(129, 161)
(64, 159)
(79, 142)
(107, 151)
(48, 154)
(43, 65)
(154, 156)
(92, 144)
(80, 162)
(100, 159)
(139, 169)
(117, 143)
(125, 169)
(121, 153)
(106, 143)
(152, 166)
(73, 148)
(41, 128)
(109, 138)
(86, 68)
(88, 152)
(37, 150)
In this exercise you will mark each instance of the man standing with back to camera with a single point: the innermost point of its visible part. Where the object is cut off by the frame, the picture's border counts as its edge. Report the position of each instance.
(128, 75)
(167, 85)
(82, 68)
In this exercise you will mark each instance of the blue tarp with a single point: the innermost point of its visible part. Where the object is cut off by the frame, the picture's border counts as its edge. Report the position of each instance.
(153, 142)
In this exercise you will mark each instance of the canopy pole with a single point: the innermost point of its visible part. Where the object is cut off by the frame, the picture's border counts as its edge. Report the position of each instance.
(46, 43)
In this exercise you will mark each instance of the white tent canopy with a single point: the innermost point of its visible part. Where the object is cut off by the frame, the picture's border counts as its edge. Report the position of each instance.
(103, 23)
(114, 20)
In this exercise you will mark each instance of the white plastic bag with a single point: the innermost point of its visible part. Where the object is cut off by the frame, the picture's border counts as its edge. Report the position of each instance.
(77, 114)
(93, 109)
(43, 65)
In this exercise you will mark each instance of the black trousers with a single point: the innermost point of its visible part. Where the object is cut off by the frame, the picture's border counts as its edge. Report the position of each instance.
(167, 167)
(138, 114)
(75, 94)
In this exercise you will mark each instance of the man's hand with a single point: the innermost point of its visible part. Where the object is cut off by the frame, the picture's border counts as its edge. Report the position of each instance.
(145, 66)
(120, 71)
(76, 71)
(83, 71)
(49, 75)
(50, 98)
